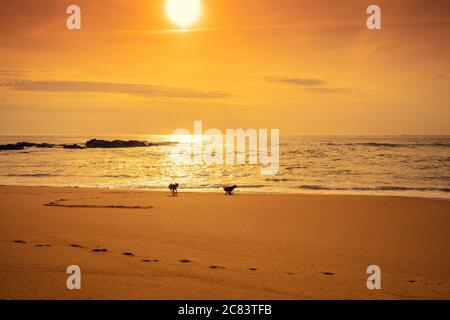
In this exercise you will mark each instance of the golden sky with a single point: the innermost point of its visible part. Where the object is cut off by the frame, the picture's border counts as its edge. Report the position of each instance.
(303, 66)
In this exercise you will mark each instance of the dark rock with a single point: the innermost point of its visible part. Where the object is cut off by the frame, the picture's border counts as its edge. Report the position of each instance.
(11, 147)
(45, 145)
(23, 145)
(26, 144)
(94, 143)
(72, 146)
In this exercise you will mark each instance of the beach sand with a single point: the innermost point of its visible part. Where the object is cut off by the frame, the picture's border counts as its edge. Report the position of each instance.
(212, 246)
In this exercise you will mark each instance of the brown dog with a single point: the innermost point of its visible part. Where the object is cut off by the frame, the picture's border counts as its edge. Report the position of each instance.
(229, 189)
(174, 188)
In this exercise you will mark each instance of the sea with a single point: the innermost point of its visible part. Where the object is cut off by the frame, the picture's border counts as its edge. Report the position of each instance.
(417, 166)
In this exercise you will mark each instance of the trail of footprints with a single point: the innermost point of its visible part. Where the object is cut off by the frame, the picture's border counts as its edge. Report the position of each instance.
(131, 254)
(128, 253)
(183, 261)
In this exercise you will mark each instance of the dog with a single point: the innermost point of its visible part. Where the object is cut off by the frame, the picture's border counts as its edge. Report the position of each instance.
(174, 188)
(229, 189)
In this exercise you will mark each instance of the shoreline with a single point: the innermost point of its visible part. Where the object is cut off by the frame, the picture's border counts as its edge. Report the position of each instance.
(239, 191)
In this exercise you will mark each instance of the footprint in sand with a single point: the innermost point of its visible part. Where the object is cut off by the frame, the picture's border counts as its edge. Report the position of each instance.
(328, 273)
(185, 261)
(252, 269)
(76, 246)
(291, 273)
(216, 267)
(20, 241)
(412, 281)
(42, 245)
(99, 250)
(129, 254)
(150, 260)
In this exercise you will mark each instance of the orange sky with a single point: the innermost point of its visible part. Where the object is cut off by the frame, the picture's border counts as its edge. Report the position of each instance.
(303, 66)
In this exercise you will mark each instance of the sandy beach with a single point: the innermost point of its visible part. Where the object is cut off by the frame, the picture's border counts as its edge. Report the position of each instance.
(212, 246)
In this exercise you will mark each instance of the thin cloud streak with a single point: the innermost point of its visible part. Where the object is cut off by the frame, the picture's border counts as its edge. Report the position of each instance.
(109, 87)
(298, 81)
(334, 90)
(314, 85)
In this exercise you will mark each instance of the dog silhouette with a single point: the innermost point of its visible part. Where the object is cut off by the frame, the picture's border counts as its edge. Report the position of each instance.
(174, 188)
(229, 189)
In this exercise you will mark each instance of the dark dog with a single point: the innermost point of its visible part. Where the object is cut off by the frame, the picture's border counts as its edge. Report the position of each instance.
(229, 189)
(174, 188)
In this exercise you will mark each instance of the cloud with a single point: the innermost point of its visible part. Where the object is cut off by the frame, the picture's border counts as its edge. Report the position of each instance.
(298, 81)
(334, 90)
(15, 73)
(11, 72)
(314, 85)
(109, 87)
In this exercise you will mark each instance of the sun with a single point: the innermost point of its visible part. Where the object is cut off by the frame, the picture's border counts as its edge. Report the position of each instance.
(183, 12)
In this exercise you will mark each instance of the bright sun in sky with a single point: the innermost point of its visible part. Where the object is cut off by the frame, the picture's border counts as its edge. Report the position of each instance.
(183, 12)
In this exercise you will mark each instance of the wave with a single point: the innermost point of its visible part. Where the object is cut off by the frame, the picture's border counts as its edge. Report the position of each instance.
(391, 145)
(118, 176)
(255, 186)
(314, 187)
(380, 188)
(219, 186)
(38, 175)
(188, 187)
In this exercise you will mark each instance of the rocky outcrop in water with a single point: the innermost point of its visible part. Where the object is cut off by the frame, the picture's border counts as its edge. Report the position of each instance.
(11, 147)
(72, 146)
(94, 143)
(45, 145)
(23, 145)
